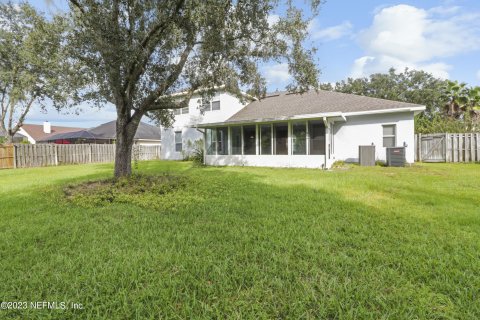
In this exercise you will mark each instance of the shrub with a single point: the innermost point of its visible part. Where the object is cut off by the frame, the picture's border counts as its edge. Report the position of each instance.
(194, 152)
(142, 190)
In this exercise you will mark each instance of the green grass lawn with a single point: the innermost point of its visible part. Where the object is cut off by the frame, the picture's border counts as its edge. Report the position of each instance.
(362, 243)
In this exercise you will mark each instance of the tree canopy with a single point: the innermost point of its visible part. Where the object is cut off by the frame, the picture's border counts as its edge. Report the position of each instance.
(136, 54)
(450, 106)
(31, 63)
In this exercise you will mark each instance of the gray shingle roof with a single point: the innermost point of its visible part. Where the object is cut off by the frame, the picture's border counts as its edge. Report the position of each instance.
(144, 131)
(108, 131)
(284, 105)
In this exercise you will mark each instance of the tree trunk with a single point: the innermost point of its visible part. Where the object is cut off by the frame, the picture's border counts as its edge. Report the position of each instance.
(123, 151)
(8, 139)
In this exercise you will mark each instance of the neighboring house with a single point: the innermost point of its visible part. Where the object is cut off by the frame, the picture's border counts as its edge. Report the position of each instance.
(37, 132)
(178, 140)
(313, 130)
(106, 134)
(17, 138)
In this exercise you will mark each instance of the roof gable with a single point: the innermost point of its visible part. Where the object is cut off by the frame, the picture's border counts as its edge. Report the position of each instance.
(36, 130)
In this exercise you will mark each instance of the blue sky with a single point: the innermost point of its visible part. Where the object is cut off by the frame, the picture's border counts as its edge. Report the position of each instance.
(357, 38)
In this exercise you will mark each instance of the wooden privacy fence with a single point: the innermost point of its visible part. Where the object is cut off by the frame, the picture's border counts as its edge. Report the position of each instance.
(40, 155)
(7, 156)
(447, 147)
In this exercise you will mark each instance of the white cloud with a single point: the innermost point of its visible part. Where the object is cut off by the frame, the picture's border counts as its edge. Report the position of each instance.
(330, 33)
(367, 65)
(445, 10)
(405, 36)
(277, 75)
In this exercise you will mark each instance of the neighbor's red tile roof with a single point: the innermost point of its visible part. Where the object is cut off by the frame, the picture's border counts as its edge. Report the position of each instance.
(36, 130)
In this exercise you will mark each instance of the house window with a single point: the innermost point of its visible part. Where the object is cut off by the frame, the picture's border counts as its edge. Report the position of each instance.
(179, 111)
(280, 136)
(178, 141)
(236, 140)
(389, 132)
(249, 137)
(222, 141)
(266, 139)
(316, 130)
(299, 138)
(206, 105)
(215, 105)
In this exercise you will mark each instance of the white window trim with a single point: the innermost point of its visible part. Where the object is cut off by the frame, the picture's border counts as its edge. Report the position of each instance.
(394, 136)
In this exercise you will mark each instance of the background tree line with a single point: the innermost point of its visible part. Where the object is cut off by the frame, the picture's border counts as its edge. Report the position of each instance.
(451, 106)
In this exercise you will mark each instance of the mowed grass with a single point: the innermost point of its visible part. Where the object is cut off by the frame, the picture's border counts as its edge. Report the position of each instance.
(247, 243)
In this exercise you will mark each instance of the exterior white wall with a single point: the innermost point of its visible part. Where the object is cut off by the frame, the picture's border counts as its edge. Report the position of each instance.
(367, 129)
(144, 142)
(282, 161)
(229, 105)
(25, 133)
(343, 145)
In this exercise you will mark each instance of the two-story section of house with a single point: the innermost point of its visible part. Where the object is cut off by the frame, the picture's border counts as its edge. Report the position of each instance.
(179, 139)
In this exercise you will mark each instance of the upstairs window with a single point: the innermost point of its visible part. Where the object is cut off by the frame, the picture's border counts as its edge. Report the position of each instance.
(179, 111)
(389, 135)
(215, 105)
(178, 141)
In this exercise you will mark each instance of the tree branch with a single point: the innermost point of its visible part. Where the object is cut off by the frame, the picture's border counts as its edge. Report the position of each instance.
(152, 97)
(137, 67)
(4, 106)
(77, 5)
(22, 116)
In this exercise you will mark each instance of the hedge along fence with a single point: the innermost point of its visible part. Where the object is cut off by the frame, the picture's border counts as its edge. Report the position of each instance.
(447, 147)
(41, 155)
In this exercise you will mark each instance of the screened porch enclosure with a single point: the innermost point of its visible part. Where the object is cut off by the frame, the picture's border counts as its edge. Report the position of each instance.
(267, 139)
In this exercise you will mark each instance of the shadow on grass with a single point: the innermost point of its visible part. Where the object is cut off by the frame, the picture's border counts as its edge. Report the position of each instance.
(247, 248)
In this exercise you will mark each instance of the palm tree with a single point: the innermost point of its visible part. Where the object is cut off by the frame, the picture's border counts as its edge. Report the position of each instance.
(456, 95)
(473, 106)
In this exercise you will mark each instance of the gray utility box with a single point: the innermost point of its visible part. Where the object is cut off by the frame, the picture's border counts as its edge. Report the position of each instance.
(396, 157)
(366, 155)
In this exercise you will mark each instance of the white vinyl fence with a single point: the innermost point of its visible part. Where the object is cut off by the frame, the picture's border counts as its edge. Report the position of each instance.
(40, 155)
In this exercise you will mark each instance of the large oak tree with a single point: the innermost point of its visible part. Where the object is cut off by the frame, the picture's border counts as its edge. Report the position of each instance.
(136, 54)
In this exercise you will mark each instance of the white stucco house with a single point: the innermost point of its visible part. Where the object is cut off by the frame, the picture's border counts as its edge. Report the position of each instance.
(178, 139)
(310, 130)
